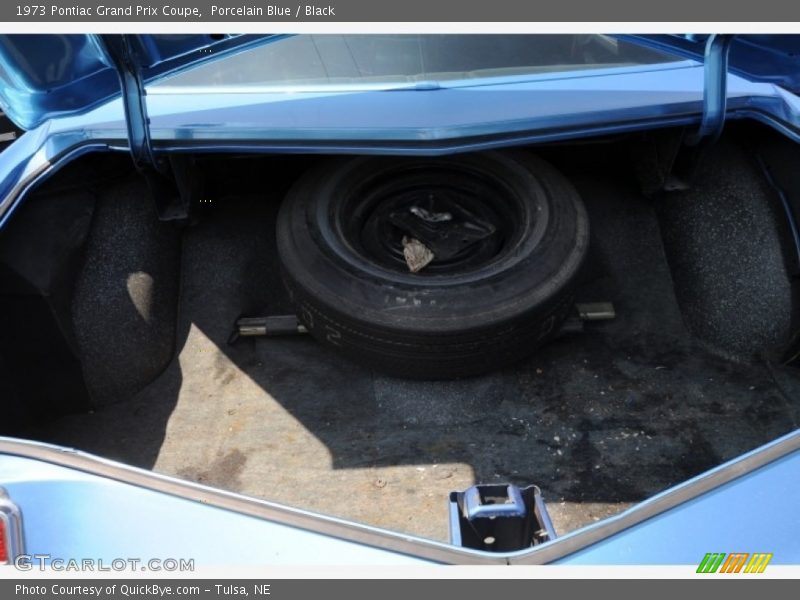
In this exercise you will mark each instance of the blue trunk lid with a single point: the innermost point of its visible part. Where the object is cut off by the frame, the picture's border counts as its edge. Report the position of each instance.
(47, 76)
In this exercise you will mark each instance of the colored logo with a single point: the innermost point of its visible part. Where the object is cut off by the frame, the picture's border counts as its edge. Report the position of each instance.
(736, 562)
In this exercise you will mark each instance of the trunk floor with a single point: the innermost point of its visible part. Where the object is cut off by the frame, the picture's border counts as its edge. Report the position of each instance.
(598, 420)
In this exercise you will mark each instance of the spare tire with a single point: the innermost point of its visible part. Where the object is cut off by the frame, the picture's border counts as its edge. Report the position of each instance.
(508, 234)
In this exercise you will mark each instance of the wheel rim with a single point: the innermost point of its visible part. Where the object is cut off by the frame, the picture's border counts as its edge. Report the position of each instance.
(468, 219)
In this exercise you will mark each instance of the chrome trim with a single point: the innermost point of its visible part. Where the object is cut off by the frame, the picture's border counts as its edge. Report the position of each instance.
(11, 516)
(286, 515)
(397, 542)
(40, 169)
(22, 186)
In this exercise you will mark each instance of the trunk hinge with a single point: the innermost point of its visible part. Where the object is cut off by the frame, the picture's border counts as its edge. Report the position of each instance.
(173, 180)
(133, 98)
(715, 89)
(668, 161)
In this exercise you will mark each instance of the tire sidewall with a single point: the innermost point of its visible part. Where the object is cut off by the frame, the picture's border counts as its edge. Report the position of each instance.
(321, 268)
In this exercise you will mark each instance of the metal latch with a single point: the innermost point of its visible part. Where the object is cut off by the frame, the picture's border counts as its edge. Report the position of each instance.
(499, 518)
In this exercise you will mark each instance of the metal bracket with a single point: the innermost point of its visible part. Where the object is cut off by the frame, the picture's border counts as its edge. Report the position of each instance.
(274, 326)
(284, 325)
(715, 89)
(175, 188)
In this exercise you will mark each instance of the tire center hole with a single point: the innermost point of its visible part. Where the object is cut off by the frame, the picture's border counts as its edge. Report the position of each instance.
(464, 218)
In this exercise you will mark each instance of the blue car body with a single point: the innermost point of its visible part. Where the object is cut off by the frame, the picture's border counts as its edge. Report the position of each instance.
(65, 91)
(104, 507)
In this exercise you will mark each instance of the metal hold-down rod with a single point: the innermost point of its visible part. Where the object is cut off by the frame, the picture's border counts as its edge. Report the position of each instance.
(282, 325)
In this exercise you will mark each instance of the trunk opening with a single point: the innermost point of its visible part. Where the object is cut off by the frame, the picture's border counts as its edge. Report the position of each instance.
(118, 327)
